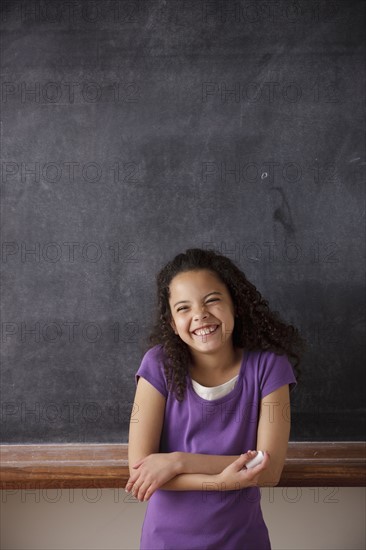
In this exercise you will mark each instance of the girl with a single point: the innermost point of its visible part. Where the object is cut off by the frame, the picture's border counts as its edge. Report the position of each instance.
(214, 383)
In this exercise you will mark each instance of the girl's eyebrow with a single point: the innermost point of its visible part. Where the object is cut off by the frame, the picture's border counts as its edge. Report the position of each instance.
(186, 301)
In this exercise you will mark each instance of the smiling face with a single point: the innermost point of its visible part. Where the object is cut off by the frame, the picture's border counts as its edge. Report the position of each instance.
(199, 299)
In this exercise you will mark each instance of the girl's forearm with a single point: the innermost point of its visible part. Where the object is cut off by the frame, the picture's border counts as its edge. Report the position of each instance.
(205, 482)
(191, 463)
(193, 482)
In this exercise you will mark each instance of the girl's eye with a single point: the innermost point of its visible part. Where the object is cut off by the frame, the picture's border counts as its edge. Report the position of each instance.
(211, 300)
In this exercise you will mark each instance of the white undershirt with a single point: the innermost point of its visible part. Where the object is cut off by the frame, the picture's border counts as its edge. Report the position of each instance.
(216, 391)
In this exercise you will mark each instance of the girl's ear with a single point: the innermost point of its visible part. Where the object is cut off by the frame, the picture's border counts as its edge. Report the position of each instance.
(172, 324)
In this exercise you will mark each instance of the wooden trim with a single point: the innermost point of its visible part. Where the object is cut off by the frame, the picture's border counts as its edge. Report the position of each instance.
(325, 464)
(308, 464)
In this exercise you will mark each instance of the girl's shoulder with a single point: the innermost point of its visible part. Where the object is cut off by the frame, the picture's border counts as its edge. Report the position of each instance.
(152, 368)
(156, 353)
(272, 369)
(262, 356)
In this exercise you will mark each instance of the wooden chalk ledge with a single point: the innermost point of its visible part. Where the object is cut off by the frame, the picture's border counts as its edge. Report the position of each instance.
(308, 464)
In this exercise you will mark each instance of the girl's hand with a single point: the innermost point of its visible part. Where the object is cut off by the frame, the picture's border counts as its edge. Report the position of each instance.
(152, 472)
(237, 476)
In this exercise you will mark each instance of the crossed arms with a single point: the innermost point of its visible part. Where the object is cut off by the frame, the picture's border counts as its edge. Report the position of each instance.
(179, 471)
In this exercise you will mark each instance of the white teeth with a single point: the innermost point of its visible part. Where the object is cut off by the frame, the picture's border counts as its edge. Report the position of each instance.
(203, 331)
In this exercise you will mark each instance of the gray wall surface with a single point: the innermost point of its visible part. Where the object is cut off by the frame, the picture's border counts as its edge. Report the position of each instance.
(298, 518)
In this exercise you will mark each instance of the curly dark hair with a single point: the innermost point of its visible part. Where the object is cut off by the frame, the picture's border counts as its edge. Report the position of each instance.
(256, 326)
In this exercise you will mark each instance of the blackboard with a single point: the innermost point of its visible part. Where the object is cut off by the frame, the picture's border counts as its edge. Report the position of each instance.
(133, 130)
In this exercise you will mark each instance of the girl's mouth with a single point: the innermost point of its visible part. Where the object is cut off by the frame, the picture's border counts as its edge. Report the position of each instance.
(204, 333)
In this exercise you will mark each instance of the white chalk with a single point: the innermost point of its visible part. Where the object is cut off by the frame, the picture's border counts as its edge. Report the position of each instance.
(256, 460)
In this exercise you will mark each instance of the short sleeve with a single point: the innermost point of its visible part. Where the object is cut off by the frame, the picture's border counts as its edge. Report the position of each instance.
(152, 369)
(275, 371)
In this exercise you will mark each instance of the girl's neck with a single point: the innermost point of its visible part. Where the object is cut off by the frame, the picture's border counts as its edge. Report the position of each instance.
(216, 363)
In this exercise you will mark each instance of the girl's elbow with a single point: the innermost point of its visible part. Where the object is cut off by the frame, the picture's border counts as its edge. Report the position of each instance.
(277, 477)
(268, 482)
(274, 482)
(269, 478)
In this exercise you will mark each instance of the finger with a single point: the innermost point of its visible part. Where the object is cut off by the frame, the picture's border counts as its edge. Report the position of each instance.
(131, 482)
(141, 491)
(128, 485)
(246, 457)
(240, 462)
(263, 465)
(138, 463)
(147, 489)
(148, 494)
(134, 491)
(265, 461)
(251, 454)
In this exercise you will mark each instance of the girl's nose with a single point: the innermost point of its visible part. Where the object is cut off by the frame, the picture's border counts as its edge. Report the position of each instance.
(201, 315)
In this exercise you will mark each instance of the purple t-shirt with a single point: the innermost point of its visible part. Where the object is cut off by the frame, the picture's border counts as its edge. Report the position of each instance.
(211, 520)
